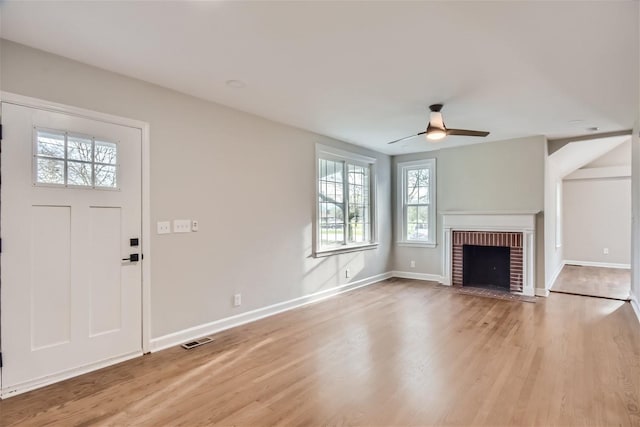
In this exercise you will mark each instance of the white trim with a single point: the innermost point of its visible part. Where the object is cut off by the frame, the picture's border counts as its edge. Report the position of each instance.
(336, 154)
(635, 305)
(176, 338)
(542, 292)
(605, 172)
(501, 221)
(26, 101)
(145, 245)
(417, 245)
(346, 249)
(555, 275)
(597, 264)
(418, 276)
(401, 202)
(465, 213)
(558, 231)
(15, 390)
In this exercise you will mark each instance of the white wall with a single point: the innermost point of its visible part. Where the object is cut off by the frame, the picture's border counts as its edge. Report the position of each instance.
(597, 215)
(558, 165)
(505, 175)
(619, 156)
(248, 180)
(552, 251)
(635, 218)
(635, 209)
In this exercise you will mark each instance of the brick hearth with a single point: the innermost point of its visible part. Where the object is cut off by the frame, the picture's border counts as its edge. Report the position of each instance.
(483, 238)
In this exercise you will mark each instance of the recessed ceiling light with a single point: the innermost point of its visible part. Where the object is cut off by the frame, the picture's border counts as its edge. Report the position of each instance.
(593, 129)
(236, 84)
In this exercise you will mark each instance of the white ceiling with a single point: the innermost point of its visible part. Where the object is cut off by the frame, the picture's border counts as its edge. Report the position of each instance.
(365, 72)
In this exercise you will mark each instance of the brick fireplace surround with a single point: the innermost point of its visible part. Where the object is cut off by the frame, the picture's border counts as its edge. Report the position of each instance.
(488, 238)
(513, 229)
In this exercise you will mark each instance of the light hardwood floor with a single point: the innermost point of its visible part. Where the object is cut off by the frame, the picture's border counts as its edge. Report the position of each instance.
(594, 281)
(396, 353)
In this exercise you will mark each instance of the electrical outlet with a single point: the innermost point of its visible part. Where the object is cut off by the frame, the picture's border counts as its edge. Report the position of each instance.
(605, 251)
(182, 226)
(412, 264)
(237, 300)
(164, 227)
(347, 273)
(194, 225)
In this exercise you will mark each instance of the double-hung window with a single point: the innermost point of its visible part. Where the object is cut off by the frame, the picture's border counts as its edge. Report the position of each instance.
(416, 203)
(345, 215)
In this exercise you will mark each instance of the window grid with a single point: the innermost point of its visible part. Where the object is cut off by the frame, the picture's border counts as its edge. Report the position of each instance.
(416, 210)
(73, 160)
(332, 202)
(416, 206)
(359, 223)
(344, 204)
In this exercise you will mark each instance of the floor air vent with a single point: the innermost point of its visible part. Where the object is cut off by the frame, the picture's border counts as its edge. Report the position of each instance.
(197, 343)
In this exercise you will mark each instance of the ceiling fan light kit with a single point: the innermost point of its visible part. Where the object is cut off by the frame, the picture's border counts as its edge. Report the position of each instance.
(434, 133)
(436, 130)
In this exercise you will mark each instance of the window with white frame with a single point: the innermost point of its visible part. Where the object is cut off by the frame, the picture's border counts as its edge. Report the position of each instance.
(346, 200)
(73, 160)
(416, 202)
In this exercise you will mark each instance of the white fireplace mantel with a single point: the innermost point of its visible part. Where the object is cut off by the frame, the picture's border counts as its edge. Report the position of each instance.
(502, 221)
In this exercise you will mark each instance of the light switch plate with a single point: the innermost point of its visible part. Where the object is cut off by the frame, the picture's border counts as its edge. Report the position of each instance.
(182, 226)
(164, 227)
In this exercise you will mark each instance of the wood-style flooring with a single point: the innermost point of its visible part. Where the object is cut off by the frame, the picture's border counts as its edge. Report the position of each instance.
(594, 281)
(400, 352)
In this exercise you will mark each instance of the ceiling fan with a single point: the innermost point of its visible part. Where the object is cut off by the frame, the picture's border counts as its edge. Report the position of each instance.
(437, 130)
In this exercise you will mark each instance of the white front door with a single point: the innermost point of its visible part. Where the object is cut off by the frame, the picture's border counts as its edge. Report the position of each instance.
(70, 203)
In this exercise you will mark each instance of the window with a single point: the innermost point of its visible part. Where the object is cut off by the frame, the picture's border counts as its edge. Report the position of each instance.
(416, 203)
(74, 160)
(346, 193)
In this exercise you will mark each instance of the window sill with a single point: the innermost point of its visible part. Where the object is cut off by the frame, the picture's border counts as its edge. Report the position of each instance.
(342, 250)
(417, 244)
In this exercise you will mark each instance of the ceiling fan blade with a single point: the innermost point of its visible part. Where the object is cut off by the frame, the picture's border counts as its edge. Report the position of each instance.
(464, 132)
(407, 137)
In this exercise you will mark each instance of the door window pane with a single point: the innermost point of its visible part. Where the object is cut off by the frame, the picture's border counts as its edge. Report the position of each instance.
(62, 158)
(79, 174)
(50, 171)
(79, 149)
(106, 176)
(106, 152)
(51, 144)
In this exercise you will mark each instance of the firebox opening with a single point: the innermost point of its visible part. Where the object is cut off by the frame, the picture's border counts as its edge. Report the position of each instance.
(486, 266)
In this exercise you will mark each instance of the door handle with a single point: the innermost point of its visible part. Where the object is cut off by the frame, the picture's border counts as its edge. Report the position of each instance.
(132, 258)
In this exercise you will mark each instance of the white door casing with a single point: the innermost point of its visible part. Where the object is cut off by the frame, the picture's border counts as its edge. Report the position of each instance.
(69, 302)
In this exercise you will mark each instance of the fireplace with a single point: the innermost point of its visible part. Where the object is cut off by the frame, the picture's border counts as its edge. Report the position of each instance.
(486, 266)
(491, 244)
(500, 247)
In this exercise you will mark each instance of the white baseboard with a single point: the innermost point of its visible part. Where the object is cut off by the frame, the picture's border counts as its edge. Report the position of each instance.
(417, 276)
(597, 264)
(555, 276)
(26, 386)
(185, 335)
(542, 292)
(635, 304)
